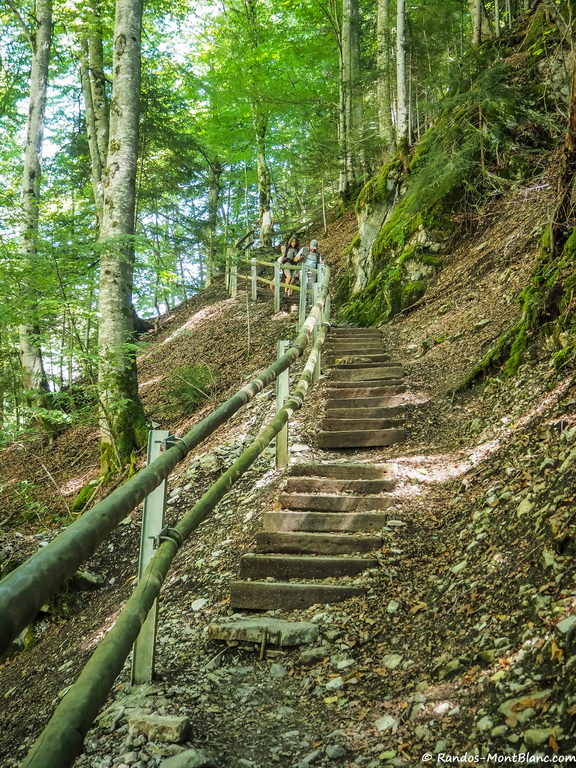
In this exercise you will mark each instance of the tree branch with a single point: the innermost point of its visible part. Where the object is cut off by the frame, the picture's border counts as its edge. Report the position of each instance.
(22, 24)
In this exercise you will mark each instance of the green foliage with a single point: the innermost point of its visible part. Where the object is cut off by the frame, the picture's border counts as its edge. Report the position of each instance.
(495, 355)
(188, 387)
(83, 498)
(412, 292)
(23, 497)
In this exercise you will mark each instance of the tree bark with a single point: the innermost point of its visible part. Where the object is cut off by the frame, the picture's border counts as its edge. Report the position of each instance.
(481, 30)
(356, 96)
(215, 170)
(122, 422)
(353, 163)
(401, 89)
(260, 119)
(95, 102)
(383, 54)
(40, 38)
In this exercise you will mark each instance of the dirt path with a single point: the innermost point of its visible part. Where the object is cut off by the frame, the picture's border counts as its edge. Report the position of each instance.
(461, 646)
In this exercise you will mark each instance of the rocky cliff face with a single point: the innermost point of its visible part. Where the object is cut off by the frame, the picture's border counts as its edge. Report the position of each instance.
(391, 261)
(372, 216)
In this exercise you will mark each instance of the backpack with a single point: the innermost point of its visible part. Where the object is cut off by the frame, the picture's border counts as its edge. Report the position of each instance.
(306, 256)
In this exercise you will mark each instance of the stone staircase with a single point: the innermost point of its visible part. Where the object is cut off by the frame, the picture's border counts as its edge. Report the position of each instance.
(363, 403)
(331, 513)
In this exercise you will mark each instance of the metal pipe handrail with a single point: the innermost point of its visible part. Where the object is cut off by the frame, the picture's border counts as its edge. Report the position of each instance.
(61, 741)
(247, 262)
(26, 589)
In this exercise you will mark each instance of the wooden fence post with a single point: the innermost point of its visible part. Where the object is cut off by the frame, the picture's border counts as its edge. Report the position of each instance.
(152, 525)
(303, 293)
(316, 292)
(276, 287)
(254, 275)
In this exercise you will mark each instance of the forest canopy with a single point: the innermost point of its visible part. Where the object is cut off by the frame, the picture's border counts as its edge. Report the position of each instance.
(216, 110)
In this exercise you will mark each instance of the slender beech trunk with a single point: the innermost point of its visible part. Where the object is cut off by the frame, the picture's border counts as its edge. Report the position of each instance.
(260, 119)
(497, 18)
(401, 89)
(383, 54)
(356, 111)
(122, 423)
(343, 122)
(352, 155)
(95, 102)
(40, 39)
(476, 11)
(215, 170)
(481, 30)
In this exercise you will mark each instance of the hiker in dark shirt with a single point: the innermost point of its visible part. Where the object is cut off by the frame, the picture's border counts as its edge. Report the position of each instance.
(289, 258)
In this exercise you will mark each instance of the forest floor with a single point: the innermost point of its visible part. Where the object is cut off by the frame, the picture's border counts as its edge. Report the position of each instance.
(462, 648)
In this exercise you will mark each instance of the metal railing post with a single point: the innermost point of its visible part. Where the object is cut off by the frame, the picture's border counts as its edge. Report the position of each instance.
(282, 393)
(303, 294)
(276, 287)
(316, 293)
(254, 275)
(152, 525)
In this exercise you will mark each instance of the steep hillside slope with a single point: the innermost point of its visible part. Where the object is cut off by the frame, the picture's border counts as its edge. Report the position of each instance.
(463, 645)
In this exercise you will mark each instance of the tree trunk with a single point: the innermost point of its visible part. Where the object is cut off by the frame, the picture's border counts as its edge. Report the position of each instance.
(260, 119)
(215, 171)
(401, 100)
(383, 53)
(33, 373)
(122, 422)
(564, 209)
(356, 95)
(352, 159)
(481, 30)
(95, 101)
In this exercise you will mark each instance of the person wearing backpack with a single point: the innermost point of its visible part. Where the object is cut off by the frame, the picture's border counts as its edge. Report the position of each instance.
(311, 257)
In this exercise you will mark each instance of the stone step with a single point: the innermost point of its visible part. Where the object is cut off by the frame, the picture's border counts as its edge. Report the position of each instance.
(361, 439)
(302, 566)
(354, 349)
(323, 485)
(359, 357)
(369, 364)
(380, 373)
(366, 413)
(343, 424)
(367, 402)
(266, 595)
(272, 631)
(343, 332)
(316, 543)
(329, 503)
(393, 387)
(344, 470)
(324, 521)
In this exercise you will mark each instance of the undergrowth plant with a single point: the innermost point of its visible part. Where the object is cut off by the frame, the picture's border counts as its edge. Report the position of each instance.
(187, 387)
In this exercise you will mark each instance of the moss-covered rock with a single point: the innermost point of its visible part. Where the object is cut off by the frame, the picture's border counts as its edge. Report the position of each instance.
(379, 188)
(412, 292)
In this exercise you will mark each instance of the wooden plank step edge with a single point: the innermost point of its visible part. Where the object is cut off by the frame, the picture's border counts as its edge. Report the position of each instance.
(258, 595)
(296, 542)
(299, 566)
